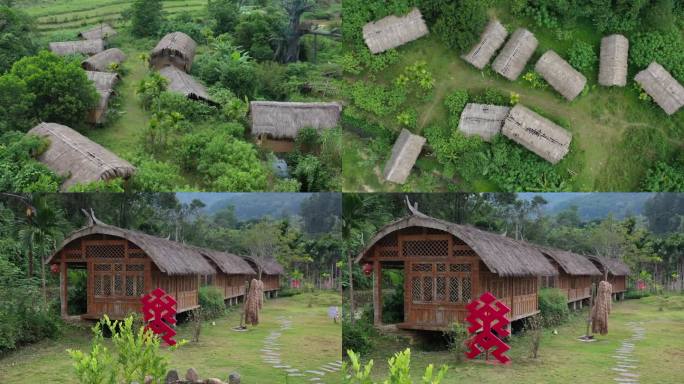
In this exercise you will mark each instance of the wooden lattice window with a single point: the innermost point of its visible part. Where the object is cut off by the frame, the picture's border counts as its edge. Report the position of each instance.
(416, 289)
(460, 267)
(427, 289)
(441, 288)
(114, 251)
(441, 267)
(453, 289)
(465, 289)
(464, 252)
(423, 267)
(426, 248)
(388, 252)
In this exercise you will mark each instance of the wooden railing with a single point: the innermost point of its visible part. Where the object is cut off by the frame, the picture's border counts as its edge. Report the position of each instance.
(186, 300)
(524, 305)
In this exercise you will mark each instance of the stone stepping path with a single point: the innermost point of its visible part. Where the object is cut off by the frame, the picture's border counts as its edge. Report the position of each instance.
(270, 354)
(626, 364)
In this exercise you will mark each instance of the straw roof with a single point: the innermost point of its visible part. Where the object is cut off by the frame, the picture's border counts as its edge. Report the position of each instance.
(502, 255)
(176, 44)
(103, 80)
(405, 152)
(614, 266)
(228, 263)
(662, 87)
(561, 75)
(284, 120)
(515, 54)
(172, 258)
(181, 82)
(86, 47)
(484, 120)
(268, 266)
(102, 31)
(536, 133)
(491, 39)
(77, 157)
(572, 263)
(613, 67)
(393, 31)
(103, 60)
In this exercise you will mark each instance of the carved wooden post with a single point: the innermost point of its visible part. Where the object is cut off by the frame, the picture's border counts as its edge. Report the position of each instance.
(377, 293)
(63, 289)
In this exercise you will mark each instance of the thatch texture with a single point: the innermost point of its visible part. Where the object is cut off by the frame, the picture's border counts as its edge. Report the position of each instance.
(613, 66)
(228, 263)
(177, 49)
(181, 82)
(268, 266)
(104, 83)
(393, 31)
(102, 31)
(572, 263)
(662, 87)
(502, 255)
(102, 61)
(77, 157)
(491, 39)
(537, 133)
(514, 56)
(172, 258)
(484, 120)
(405, 152)
(86, 47)
(103, 80)
(284, 120)
(613, 266)
(560, 75)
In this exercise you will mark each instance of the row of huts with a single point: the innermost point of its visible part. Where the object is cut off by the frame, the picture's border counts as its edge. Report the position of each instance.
(446, 265)
(122, 264)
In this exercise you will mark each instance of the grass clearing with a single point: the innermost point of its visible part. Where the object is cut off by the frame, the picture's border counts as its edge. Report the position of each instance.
(314, 340)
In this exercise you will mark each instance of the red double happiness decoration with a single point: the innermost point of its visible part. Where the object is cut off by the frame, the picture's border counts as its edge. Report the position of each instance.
(488, 314)
(159, 312)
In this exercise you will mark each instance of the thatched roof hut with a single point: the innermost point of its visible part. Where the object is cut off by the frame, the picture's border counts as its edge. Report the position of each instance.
(562, 76)
(515, 54)
(181, 82)
(491, 40)
(102, 31)
(77, 157)
(177, 49)
(393, 31)
(104, 83)
(405, 152)
(662, 87)
(537, 133)
(484, 120)
(613, 66)
(284, 120)
(614, 267)
(227, 262)
(86, 47)
(572, 263)
(103, 80)
(102, 61)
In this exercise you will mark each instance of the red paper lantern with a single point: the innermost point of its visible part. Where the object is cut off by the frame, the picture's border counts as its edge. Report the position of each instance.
(367, 269)
(54, 268)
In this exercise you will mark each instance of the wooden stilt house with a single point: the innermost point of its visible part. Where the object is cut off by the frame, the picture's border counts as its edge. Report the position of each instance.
(615, 272)
(232, 274)
(575, 274)
(446, 265)
(271, 271)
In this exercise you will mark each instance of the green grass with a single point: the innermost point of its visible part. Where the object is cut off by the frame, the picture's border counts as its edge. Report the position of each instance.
(314, 340)
(562, 358)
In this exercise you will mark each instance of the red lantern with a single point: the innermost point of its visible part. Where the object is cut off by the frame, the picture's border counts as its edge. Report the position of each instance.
(367, 269)
(54, 268)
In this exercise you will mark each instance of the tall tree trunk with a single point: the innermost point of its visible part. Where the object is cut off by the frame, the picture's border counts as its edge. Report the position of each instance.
(351, 288)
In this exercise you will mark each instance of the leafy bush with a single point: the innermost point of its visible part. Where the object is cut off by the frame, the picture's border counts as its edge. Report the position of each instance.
(19, 171)
(211, 301)
(457, 23)
(228, 66)
(582, 56)
(553, 306)
(156, 176)
(633, 294)
(357, 336)
(377, 99)
(190, 109)
(393, 306)
(665, 47)
(456, 335)
(455, 103)
(664, 177)
(185, 23)
(399, 367)
(146, 17)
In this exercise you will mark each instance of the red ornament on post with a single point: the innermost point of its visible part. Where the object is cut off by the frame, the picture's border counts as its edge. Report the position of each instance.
(367, 269)
(488, 314)
(54, 268)
(159, 312)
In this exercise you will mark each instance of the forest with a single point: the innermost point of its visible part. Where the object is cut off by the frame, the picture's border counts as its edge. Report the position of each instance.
(248, 50)
(621, 139)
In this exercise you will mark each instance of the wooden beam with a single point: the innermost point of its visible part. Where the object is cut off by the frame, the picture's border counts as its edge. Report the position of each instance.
(377, 293)
(63, 288)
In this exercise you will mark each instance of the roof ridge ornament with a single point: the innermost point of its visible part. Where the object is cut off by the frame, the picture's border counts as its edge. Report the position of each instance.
(92, 220)
(414, 208)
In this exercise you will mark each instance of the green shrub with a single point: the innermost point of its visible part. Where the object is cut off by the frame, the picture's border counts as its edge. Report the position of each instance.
(357, 336)
(632, 294)
(399, 367)
(456, 336)
(553, 306)
(582, 56)
(211, 301)
(455, 103)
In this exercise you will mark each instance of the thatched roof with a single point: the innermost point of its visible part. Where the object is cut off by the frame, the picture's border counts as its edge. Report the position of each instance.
(515, 54)
(102, 31)
(537, 133)
(502, 255)
(181, 82)
(103, 80)
(228, 263)
(405, 152)
(103, 60)
(393, 31)
(613, 67)
(268, 266)
(77, 157)
(170, 257)
(484, 120)
(176, 44)
(614, 266)
(491, 39)
(86, 47)
(284, 120)
(572, 263)
(560, 75)
(662, 87)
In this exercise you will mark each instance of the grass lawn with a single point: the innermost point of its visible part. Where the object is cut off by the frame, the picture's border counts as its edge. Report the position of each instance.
(313, 341)
(563, 359)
